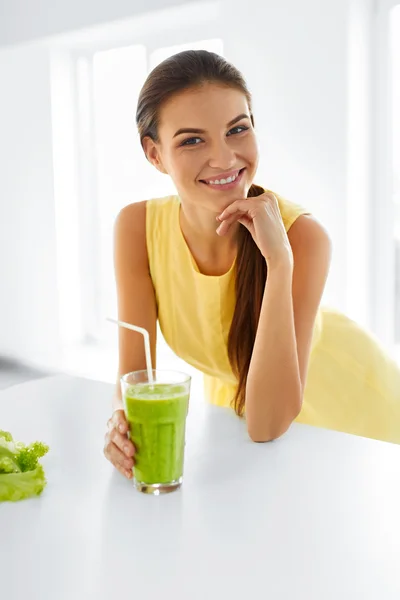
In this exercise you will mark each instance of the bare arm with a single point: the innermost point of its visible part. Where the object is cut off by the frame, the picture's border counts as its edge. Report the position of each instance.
(135, 292)
(136, 305)
(278, 367)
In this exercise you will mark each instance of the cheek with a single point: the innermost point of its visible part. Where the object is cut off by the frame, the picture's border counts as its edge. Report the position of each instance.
(175, 165)
(246, 149)
(252, 149)
(188, 165)
(255, 158)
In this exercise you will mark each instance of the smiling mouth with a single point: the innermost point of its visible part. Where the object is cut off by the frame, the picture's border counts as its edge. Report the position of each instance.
(223, 182)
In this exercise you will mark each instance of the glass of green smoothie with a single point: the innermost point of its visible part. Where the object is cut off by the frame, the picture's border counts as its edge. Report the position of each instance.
(156, 412)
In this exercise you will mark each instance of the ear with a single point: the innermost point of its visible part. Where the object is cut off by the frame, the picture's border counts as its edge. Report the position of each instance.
(153, 154)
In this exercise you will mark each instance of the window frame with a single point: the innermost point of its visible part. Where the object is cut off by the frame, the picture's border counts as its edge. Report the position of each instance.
(194, 22)
(382, 254)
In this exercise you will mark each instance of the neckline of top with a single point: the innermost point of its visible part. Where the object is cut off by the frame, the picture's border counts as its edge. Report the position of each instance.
(188, 253)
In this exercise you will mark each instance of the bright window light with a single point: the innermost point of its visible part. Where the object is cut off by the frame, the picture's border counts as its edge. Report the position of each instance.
(395, 102)
(215, 45)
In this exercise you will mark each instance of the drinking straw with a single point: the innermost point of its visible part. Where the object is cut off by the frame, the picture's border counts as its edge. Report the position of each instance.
(146, 338)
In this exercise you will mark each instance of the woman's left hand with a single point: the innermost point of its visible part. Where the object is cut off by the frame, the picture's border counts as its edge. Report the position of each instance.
(261, 216)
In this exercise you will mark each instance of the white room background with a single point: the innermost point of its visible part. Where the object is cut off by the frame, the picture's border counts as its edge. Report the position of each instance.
(326, 84)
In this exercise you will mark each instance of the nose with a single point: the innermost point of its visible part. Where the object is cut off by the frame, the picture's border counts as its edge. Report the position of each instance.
(222, 156)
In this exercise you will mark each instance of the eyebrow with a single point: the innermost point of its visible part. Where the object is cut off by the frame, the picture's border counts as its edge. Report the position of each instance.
(192, 130)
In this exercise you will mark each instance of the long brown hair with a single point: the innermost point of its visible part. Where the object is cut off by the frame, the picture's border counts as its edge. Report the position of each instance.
(180, 72)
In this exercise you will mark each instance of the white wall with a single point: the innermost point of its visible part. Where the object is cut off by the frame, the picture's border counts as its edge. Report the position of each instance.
(22, 20)
(298, 78)
(361, 171)
(295, 57)
(28, 300)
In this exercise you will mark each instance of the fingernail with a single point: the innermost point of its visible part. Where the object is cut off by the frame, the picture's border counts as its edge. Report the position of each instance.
(121, 427)
(126, 450)
(219, 228)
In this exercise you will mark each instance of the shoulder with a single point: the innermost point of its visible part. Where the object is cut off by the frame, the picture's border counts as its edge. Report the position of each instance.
(307, 232)
(130, 235)
(290, 211)
(132, 218)
(312, 249)
(138, 226)
(159, 212)
(165, 203)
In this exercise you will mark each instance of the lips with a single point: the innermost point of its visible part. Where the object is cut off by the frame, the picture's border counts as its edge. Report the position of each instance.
(228, 185)
(221, 176)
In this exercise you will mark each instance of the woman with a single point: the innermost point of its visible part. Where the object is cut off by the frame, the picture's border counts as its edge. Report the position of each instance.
(235, 274)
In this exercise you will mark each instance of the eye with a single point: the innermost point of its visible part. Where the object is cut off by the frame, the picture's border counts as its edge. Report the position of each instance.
(190, 141)
(237, 129)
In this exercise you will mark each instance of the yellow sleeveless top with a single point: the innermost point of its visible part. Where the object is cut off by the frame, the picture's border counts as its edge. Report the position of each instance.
(352, 385)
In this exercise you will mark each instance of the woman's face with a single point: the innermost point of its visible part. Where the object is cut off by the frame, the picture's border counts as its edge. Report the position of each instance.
(206, 137)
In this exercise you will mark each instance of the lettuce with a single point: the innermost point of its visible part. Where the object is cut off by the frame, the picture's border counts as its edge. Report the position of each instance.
(18, 486)
(21, 474)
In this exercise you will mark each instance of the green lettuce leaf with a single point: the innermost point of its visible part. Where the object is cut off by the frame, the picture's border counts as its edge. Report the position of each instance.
(21, 474)
(18, 486)
(6, 435)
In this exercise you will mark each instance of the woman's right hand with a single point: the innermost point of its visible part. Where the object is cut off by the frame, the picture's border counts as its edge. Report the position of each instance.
(118, 449)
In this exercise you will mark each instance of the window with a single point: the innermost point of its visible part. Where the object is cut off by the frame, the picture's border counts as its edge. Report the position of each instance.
(385, 241)
(122, 174)
(395, 118)
(111, 171)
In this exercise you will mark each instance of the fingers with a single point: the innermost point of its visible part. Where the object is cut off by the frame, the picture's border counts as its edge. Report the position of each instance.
(224, 227)
(226, 224)
(239, 205)
(118, 449)
(119, 421)
(249, 206)
(123, 464)
(122, 442)
(248, 223)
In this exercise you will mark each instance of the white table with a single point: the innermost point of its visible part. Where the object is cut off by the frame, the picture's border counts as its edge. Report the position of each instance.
(314, 515)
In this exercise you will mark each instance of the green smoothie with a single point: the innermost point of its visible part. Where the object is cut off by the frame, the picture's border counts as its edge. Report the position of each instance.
(157, 417)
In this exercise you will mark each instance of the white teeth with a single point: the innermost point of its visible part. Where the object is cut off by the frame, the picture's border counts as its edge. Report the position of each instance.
(223, 181)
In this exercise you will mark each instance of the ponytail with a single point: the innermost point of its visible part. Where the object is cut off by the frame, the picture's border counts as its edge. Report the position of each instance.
(251, 276)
